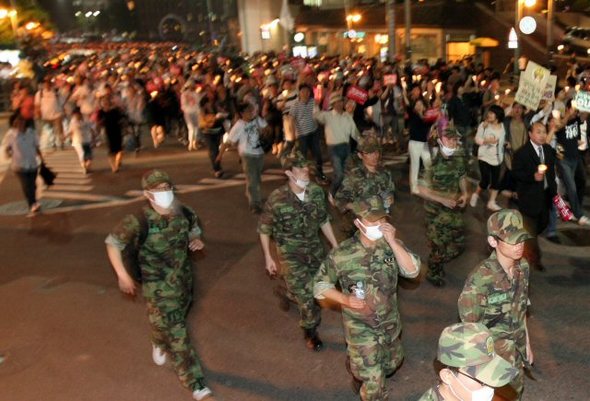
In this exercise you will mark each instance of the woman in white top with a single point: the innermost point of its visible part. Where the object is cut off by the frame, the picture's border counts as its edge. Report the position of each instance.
(490, 137)
(80, 131)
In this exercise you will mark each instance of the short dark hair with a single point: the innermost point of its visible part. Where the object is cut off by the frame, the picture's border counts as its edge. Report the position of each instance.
(498, 111)
(243, 106)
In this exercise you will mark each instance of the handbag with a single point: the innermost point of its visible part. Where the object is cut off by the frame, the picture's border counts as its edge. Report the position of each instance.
(47, 174)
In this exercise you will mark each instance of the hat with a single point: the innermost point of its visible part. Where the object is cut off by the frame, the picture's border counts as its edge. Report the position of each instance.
(271, 80)
(470, 347)
(451, 132)
(507, 225)
(334, 98)
(295, 159)
(369, 144)
(154, 178)
(370, 209)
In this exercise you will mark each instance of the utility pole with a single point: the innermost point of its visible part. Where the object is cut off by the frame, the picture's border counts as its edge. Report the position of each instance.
(550, 26)
(391, 30)
(408, 20)
(518, 41)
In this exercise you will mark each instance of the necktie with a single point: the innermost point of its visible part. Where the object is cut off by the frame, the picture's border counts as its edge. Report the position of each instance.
(541, 155)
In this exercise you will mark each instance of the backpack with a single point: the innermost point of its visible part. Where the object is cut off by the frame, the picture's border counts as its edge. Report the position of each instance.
(131, 253)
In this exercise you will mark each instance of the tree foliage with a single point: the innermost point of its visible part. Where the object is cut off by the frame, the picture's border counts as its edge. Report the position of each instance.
(27, 11)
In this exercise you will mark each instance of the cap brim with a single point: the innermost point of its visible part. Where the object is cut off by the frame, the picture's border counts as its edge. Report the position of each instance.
(495, 373)
(375, 216)
(518, 237)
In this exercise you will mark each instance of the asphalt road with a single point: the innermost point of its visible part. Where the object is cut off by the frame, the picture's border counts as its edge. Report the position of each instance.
(67, 333)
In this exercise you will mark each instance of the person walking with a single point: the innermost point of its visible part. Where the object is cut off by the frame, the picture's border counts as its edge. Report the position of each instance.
(161, 236)
(490, 137)
(21, 145)
(496, 292)
(365, 268)
(293, 216)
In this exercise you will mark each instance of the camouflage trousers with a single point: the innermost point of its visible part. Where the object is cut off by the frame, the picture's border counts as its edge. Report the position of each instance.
(299, 270)
(508, 351)
(167, 317)
(446, 236)
(374, 354)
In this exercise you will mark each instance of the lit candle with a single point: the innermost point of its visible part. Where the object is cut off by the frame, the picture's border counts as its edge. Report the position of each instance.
(542, 168)
(507, 92)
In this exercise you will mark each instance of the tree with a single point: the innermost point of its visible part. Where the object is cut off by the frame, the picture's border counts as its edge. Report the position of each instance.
(27, 11)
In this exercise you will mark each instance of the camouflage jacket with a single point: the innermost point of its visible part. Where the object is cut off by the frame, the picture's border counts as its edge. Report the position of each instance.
(491, 298)
(446, 172)
(291, 222)
(376, 269)
(431, 395)
(163, 257)
(359, 183)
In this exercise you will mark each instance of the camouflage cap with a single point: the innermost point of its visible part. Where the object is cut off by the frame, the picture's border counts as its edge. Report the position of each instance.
(154, 178)
(369, 144)
(370, 209)
(450, 132)
(470, 347)
(507, 225)
(295, 159)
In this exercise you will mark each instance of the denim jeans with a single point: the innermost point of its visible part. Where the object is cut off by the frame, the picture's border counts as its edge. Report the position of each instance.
(312, 142)
(339, 153)
(574, 179)
(213, 141)
(252, 165)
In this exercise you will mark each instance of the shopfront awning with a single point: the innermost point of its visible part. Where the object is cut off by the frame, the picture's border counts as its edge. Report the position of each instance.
(484, 42)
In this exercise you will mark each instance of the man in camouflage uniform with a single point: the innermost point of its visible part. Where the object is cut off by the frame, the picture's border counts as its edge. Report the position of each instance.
(365, 179)
(472, 368)
(170, 231)
(293, 216)
(366, 268)
(444, 189)
(496, 292)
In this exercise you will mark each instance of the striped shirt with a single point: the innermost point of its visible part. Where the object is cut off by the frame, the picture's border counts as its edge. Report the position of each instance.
(303, 115)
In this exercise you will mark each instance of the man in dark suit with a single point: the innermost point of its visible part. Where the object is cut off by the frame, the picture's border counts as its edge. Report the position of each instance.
(533, 170)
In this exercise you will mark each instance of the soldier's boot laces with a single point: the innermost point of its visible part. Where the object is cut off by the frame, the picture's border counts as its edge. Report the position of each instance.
(312, 340)
(281, 294)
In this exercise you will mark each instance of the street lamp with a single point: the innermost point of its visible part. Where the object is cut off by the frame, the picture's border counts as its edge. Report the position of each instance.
(353, 18)
(517, 17)
(12, 14)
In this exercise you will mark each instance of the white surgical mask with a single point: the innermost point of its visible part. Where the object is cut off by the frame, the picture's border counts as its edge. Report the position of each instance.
(483, 394)
(448, 152)
(372, 232)
(163, 199)
(301, 183)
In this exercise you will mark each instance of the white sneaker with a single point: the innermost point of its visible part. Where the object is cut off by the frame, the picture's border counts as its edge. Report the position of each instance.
(493, 206)
(202, 393)
(158, 356)
(584, 221)
(474, 199)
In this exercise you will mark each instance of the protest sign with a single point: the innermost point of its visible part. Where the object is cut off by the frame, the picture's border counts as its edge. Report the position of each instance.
(583, 101)
(357, 94)
(532, 85)
(390, 79)
(550, 88)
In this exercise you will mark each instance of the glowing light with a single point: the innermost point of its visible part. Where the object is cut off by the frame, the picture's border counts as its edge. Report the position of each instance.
(353, 18)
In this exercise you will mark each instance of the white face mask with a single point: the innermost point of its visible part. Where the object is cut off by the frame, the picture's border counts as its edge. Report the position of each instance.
(372, 232)
(448, 152)
(483, 394)
(163, 199)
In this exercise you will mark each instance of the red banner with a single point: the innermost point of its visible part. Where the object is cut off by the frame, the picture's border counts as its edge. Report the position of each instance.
(357, 94)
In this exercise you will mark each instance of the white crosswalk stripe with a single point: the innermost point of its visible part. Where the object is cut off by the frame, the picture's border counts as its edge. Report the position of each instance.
(71, 183)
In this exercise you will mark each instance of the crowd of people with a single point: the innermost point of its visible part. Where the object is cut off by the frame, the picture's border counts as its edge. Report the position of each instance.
(448, 117)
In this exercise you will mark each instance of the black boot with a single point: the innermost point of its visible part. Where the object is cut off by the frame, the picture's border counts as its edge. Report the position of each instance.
(312, 341)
